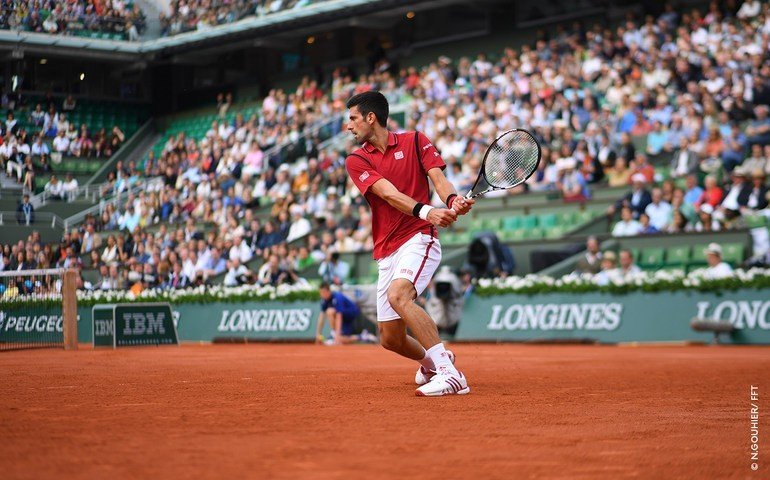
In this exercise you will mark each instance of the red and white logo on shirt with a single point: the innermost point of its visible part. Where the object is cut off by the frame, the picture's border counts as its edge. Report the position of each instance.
(363, 176)
(399, 155)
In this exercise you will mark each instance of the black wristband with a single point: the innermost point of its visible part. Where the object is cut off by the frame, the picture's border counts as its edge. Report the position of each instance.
(416, 209)
(449, 200)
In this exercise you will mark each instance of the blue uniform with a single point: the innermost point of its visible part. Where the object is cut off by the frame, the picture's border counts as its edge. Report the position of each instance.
(346, 307)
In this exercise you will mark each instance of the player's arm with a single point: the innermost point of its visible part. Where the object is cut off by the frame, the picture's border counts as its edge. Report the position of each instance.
(445, 190)
(441, 217)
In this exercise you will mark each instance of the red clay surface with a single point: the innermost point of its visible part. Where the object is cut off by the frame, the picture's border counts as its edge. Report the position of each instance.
(303, 411)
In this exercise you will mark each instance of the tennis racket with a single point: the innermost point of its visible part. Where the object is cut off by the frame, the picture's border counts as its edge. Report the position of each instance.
(508, 162)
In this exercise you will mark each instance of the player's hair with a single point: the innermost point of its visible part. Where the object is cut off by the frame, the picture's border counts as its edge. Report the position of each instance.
(372, 101)
(324, 286)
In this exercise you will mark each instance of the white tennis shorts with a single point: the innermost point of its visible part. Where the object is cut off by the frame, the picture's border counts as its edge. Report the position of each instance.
(416, 261)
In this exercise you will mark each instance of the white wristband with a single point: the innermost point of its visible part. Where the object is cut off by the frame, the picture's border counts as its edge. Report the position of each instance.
(424, 211)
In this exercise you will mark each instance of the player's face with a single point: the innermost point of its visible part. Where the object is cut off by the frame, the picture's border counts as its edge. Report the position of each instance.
(359, 126)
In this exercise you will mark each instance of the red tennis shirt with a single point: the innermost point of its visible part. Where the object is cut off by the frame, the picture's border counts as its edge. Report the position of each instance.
(405, 163)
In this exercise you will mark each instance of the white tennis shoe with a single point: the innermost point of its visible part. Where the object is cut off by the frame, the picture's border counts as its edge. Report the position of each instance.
(424, 375)
(443, 383)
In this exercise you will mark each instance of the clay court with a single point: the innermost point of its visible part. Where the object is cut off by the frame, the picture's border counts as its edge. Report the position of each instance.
(303, 411)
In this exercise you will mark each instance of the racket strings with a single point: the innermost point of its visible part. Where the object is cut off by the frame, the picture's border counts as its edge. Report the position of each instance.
(511, 159)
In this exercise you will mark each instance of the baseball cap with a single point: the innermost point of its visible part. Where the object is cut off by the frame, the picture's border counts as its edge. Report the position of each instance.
(714, 248)
(638, 177)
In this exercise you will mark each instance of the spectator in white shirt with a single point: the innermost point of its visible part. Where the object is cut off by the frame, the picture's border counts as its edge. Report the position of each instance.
(300, 225)
(240, 250)
(627, 226)
(54, 188)
(39, 148)
(69, 186)
(61, 143)
(659, 211)
(717, 268)
(749, 9)
(237, 274)
(627, 265)
(608, 271)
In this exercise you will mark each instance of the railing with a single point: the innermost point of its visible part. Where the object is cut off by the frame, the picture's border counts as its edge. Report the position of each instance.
(290, 151)
(36, 219)
(144, 185)
(88, 192)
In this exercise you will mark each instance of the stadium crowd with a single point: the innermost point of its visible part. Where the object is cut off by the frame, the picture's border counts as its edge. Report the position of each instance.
(192, 15)
(72, 17)
(674, 107)
(47, 135)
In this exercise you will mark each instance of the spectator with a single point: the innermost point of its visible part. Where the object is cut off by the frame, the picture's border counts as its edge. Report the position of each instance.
(685, 161)
(61, 143)
(237, 274)
(758, 131)
(590, 262)
(272, 273)
(627, 266)
(646, 228)
(659, 211)
(706, 222)
(756, 161)
(757, 193)
(69, 187)
(25, 213)
(300, 225)
(54, 188)
(656, 139)
(627, 226)
(737, 197)
(716, 267)
(642, 167)
(637, 200)
(240, 250)
(333, 270)
(734, 149)
(176, 278)
(619, 175)
(608, 271)
(712, 195)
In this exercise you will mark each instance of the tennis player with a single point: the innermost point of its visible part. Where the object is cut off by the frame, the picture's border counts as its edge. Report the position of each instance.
(392, 170)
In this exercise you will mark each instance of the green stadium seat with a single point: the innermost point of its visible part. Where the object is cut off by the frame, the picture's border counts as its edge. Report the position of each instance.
(697, 257)
(511, 223)
(512, 235)
(477, 225)
(635, 254)
(529, 221)
(584, 216)
(547, 220)
(557, 231)
(492, 224)
(678, 256)
(566, 218)
(732, 253)
(535, 233)
(652, 257)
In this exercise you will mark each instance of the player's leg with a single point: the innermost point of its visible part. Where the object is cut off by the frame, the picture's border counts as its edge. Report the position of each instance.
(393, 337)
(416, 266)
(401, 296)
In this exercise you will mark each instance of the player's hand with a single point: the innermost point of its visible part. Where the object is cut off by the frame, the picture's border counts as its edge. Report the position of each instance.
(442, 217)
(462, 205)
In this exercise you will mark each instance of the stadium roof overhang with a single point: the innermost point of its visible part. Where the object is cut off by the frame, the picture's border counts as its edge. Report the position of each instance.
(251, 31)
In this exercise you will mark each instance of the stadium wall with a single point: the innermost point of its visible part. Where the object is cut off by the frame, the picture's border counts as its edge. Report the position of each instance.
(601, 317)
(608, 318)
